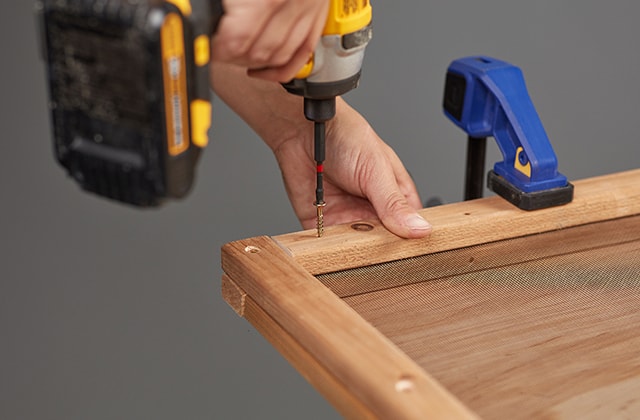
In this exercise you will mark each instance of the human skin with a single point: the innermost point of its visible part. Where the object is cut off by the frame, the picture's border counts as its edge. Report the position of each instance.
(272, 39)
(364, 178)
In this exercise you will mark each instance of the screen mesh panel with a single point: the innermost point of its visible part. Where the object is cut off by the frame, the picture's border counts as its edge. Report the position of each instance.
(531, 327)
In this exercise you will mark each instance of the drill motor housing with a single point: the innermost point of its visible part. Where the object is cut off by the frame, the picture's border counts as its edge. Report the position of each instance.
(336, 64)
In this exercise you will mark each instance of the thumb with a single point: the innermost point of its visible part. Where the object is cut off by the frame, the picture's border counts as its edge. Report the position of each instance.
(399, 217)
(393, 195)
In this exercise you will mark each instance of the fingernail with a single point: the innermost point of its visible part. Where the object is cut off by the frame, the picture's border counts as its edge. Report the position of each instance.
(417, 222)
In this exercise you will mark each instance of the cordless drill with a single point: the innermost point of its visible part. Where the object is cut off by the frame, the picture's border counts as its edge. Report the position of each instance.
(129, 89)
(333, 70)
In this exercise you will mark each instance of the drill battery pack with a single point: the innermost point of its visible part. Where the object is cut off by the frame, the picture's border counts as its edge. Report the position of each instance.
(129, 93)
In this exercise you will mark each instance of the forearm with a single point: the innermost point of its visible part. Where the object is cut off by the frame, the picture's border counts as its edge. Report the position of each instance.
(273, 113)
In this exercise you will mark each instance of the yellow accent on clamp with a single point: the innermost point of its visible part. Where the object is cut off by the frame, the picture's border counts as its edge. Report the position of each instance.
(525, 169)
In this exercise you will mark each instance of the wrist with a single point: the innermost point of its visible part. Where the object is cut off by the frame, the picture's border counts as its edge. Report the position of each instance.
(273, 113)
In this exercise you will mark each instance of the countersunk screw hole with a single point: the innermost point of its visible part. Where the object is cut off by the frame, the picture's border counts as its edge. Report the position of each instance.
(404, 384)
(362, 227)
(252, 249)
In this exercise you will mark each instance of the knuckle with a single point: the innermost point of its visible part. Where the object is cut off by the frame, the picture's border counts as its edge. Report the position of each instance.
(280, 58)
(242, 36)
(396, 203)
(235, 43)
(259, 56)
(308, 46)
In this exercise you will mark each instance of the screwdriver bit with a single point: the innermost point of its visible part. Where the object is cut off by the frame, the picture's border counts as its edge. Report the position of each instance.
(319, 150)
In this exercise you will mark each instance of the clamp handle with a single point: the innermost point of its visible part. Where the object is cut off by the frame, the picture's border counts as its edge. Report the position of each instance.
(487, 97)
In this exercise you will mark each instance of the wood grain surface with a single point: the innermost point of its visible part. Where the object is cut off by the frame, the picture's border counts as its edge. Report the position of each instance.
(481, 257)
(475, 323)
(551, 337)
(369, 366)
(463, 224)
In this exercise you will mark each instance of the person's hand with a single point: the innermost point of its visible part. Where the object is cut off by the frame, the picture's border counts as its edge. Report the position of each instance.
(364, 178)
(272, 38)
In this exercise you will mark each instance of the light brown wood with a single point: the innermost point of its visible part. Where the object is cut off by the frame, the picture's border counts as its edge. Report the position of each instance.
(366, 352)
(464, 224)
(623, 398)
(315, 373)
(528, 339)
(233, 295)
(376, 372)
(482, 257)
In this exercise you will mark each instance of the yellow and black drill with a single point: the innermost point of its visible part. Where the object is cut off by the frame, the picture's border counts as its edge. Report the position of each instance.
(129, 89)
(333, 70)
(129, 92)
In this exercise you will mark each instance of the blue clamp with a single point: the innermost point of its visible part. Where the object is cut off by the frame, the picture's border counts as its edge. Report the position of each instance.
(488, 98)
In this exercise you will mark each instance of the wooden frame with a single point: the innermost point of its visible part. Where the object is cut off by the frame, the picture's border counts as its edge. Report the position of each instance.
(270, 281)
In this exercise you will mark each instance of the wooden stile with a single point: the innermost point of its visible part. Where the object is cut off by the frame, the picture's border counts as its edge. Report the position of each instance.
(341, 346)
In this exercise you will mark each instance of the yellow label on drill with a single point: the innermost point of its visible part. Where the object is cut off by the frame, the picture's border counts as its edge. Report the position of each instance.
(175, 84)
(347, 16)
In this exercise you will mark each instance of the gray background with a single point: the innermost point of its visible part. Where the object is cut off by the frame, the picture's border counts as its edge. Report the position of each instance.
(109, 312)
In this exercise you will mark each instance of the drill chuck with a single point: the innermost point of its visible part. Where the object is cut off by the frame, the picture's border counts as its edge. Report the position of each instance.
(320, 110)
